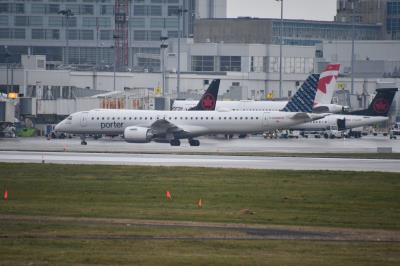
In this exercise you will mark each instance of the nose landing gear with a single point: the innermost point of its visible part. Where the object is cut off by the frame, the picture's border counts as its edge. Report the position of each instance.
(83, 140)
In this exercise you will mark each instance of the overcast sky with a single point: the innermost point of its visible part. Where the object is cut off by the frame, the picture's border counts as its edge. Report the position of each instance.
(293, 9)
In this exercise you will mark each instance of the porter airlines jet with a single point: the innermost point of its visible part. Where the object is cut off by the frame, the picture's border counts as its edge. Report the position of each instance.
(322, 103)
(141, 126)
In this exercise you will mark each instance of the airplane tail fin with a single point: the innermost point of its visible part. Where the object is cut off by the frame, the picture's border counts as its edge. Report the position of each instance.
(209, 98)
(380, 105)
(303, 100)
(327, 84)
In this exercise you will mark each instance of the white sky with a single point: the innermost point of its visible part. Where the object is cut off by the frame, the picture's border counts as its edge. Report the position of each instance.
(292, 9)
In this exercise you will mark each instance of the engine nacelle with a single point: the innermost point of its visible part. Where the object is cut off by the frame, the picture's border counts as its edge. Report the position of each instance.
(137, 134)
(329, 108)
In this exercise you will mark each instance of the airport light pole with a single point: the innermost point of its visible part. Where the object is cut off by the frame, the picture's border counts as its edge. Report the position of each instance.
(67, 13)
(352, 45)
(163, 46)
(180, 12)
(280, 49)
(115, 56)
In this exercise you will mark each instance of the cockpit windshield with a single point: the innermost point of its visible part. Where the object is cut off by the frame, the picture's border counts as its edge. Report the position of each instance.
(69, 117)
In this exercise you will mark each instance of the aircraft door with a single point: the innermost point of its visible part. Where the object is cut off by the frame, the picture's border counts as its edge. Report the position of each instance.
(341, 124)
(84, 119)
(264, 120)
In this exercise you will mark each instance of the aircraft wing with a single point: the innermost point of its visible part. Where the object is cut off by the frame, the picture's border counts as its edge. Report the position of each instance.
(308, 116)
(163, 126)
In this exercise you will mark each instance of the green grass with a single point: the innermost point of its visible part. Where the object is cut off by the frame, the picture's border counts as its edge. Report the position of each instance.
(28, 250)
(316, 198)
(313, 198)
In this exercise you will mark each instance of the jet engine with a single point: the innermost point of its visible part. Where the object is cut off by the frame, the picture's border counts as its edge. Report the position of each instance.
(137, 134)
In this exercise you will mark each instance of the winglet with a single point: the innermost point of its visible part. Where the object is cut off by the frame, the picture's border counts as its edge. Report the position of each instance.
(209, 98)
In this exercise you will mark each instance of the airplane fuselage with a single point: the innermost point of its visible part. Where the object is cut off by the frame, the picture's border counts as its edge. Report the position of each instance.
(109, 121)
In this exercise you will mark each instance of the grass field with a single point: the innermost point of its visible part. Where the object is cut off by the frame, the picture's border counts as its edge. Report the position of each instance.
(307, 198)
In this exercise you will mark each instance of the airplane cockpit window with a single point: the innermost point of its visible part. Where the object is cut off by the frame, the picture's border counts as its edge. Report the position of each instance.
(69, 117)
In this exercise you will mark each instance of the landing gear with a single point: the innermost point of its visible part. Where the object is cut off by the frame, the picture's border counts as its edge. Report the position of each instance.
(194, 142)
(83, 140)
(175, 142)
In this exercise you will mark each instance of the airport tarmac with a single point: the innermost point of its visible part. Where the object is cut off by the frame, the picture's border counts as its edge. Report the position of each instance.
(256, 144)
(118, 152)
(223, 161)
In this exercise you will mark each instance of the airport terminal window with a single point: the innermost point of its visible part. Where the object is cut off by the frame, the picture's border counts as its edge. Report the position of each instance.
(86, 10)
(202, 63)
(139, 10)
(155, 35)
(155, 10)
(139, 22)
(171, 23)
(139, 35)
(172, 10)
(107, 10)
(230, 63)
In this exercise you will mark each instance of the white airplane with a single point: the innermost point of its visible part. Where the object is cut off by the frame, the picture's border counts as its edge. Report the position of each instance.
(141, 126)
(322, 102)
(377, 112)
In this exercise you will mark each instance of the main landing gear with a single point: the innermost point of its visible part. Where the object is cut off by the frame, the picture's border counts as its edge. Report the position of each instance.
(194, 142)
(83, 140)
(175, 142)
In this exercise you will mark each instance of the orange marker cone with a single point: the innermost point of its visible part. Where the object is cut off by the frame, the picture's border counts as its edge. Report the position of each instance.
(6, 195)
(200, 204)
(168, 195)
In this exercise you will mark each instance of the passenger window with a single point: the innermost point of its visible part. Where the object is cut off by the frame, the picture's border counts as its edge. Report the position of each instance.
(130, 118)
(98, 118)
(113, 118)
(92, 118)
(102, 118)
(145, 118)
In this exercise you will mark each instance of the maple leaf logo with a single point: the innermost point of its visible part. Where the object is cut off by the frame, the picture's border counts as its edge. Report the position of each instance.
(208, 102)
(381, 106)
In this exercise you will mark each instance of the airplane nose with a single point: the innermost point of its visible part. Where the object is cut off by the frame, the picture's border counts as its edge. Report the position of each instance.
(58, 127)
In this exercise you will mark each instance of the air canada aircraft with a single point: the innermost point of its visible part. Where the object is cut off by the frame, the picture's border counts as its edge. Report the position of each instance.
(377, 112)
(141, 126)
(321, 104)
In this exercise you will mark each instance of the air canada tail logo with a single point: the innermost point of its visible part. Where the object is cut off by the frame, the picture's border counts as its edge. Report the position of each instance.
(208, 102)
(381, 106)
